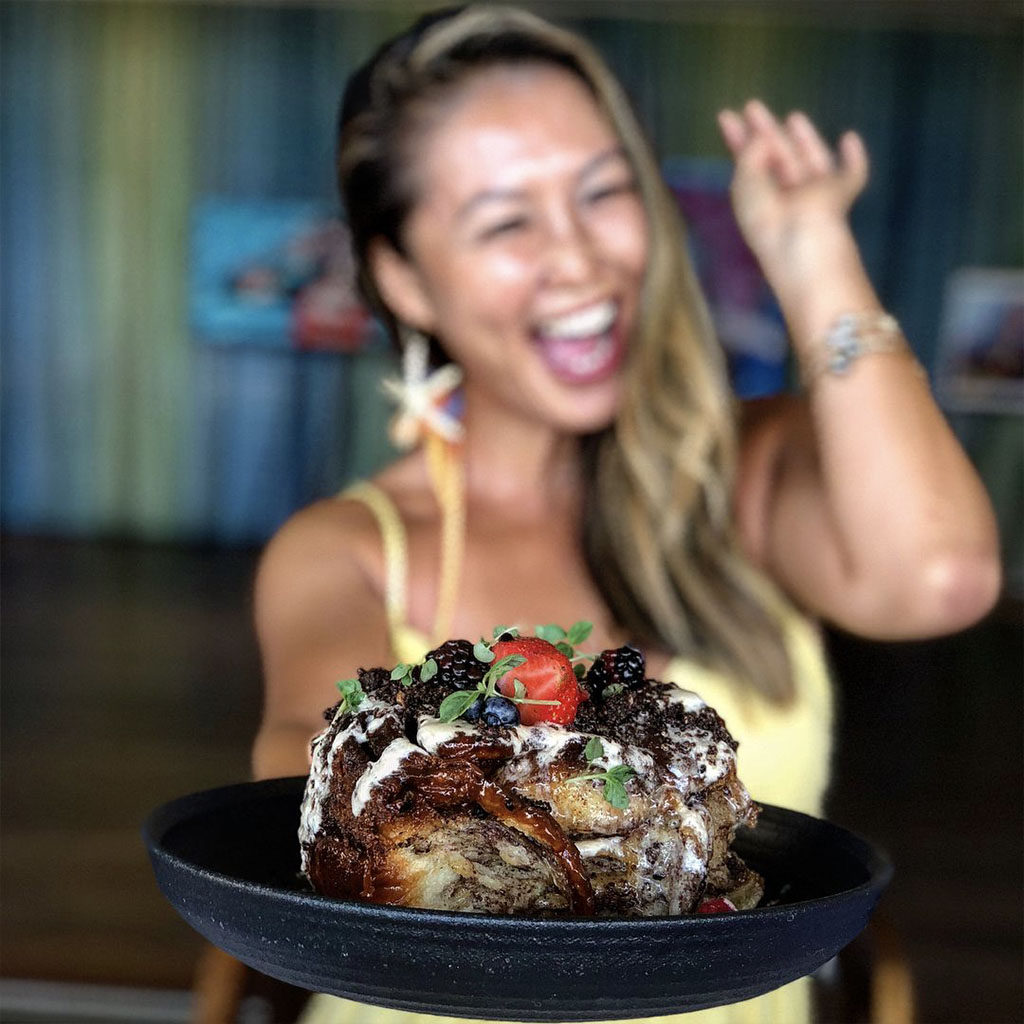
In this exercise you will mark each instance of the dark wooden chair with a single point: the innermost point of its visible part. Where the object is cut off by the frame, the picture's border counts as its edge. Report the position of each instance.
(223, 983)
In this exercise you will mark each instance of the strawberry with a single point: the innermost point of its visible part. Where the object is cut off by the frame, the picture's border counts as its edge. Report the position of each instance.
(546, 674)
(716, 905)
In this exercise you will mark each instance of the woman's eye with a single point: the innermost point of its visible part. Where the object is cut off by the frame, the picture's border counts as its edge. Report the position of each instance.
(504, 227)
(610, 191)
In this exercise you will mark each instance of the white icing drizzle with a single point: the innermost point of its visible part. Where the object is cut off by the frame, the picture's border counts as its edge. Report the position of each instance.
(378, 720)
(367, 719)
(372, 713)
(708, 763)
(677, 695)
(602, 846)
(545, 741)
(432, 733)
(618, 753)
(319, 785)
(696, 841)
(387, 764)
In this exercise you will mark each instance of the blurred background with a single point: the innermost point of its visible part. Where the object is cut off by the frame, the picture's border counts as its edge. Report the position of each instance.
(184, 364)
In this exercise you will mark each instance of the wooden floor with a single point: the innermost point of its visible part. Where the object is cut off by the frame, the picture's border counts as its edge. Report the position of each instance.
(130, 676)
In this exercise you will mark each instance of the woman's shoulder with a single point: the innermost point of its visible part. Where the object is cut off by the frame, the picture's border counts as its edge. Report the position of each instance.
(339, 537)
(326, 546)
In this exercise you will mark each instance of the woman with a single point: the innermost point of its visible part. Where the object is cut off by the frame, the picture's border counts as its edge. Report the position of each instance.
(506, 210)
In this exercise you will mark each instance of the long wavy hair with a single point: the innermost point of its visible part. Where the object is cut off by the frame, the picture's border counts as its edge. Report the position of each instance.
(658, 531)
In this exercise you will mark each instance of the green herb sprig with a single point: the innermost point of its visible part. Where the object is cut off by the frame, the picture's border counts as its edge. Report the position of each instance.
(351, 694)
(404, 673)
(567, 640)
(614, 779)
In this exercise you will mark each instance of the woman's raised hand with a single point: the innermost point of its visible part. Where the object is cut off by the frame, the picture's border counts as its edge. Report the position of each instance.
(868, 454)
(789, 186)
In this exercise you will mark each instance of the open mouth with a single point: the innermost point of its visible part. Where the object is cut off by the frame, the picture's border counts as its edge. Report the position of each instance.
(584, 346)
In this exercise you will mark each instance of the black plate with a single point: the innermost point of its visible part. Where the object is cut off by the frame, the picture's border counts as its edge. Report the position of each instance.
(227, 859)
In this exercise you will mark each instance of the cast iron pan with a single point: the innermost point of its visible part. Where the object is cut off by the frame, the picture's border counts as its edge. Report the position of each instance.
(228, 860)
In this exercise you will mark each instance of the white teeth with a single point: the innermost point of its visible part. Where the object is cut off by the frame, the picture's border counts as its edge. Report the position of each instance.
(584, 323)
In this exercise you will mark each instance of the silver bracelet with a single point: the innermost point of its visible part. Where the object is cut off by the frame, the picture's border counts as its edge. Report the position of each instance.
(854, 335)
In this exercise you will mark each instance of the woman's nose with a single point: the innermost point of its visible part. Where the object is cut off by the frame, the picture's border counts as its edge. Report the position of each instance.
(570, 255)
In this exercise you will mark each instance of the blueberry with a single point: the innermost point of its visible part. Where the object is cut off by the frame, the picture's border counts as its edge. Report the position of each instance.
(500, 711)
(475, 710)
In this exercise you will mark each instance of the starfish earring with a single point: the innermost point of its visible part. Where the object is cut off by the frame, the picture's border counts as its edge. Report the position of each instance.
(421, 395)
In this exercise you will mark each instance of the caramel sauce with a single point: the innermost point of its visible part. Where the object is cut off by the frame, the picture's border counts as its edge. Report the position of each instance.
(479, 748)
(382, 888)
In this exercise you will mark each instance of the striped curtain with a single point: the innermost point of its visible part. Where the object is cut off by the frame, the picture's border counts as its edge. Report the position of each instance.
(116, 119)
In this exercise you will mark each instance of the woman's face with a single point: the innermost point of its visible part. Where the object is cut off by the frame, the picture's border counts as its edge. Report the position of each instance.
(526, 247)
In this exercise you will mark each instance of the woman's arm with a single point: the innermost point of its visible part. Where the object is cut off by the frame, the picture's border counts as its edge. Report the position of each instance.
(319, 617)
(857, 499)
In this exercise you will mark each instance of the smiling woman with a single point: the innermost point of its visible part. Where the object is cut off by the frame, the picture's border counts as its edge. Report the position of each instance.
(508, 216)
(526, 253)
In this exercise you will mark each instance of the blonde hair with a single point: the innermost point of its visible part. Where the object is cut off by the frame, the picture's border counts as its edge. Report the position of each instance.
(658, 531)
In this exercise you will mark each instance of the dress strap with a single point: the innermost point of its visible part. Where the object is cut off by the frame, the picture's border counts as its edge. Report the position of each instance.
(445, 466)
(444, 462)
(396, 559)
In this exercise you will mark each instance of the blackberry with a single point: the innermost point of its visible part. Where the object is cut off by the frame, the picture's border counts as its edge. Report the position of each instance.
(622, 667)
(457, 667)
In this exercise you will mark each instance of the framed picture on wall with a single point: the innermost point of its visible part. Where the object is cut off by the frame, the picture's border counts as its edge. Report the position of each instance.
(980, 361)
(274, 273)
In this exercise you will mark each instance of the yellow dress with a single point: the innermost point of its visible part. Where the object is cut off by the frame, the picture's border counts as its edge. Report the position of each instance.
(783, 758)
